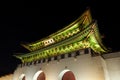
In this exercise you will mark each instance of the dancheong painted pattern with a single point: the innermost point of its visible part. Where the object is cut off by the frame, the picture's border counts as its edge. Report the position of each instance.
(80, 34)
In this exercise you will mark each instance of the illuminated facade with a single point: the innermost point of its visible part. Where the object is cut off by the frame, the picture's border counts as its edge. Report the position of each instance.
(72, 53)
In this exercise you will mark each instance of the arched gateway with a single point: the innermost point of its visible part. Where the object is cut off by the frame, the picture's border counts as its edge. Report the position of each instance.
(39, 75)
(66, 75)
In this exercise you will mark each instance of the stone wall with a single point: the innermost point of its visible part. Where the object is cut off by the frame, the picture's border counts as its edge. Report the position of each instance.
(84, 67)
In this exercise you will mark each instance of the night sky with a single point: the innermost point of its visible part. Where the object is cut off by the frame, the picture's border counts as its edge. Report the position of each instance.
(31, 21)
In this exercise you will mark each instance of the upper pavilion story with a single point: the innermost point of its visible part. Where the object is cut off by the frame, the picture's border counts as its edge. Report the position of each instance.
(73, 28)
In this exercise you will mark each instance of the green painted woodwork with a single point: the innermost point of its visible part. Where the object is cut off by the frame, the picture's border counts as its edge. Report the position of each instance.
(71, 38)
(85, 39)
(70, 30)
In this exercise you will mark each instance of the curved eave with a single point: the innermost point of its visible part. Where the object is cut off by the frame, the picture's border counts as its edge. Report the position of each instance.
(19, 57)
(35, 44)
(96, 46)
(96, 41)
(26, 46)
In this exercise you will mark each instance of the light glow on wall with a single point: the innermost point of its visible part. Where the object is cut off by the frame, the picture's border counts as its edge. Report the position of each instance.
(21, 77)
(7, 77)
